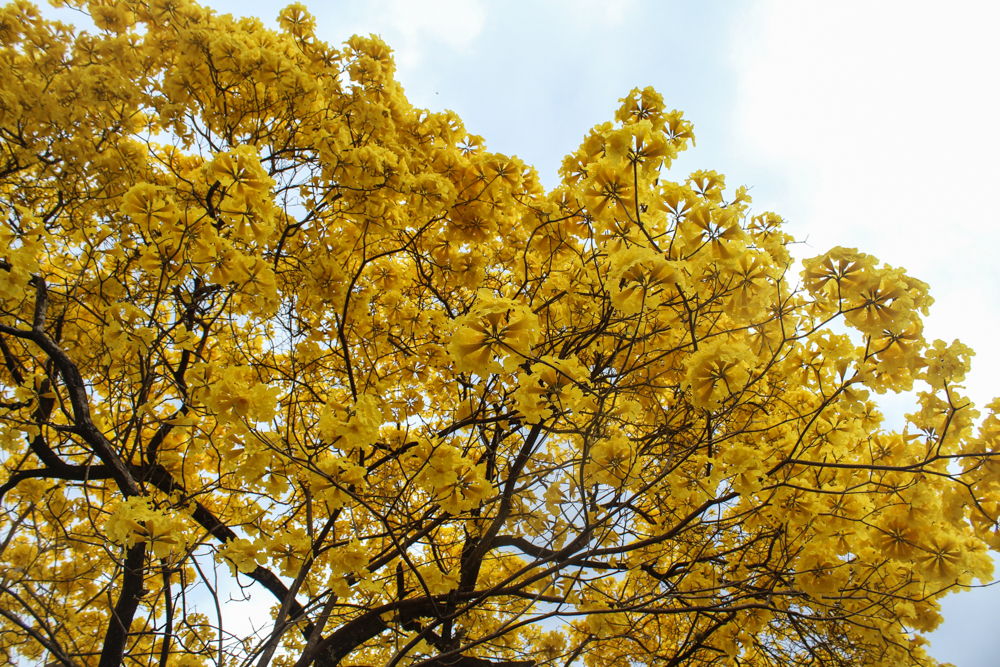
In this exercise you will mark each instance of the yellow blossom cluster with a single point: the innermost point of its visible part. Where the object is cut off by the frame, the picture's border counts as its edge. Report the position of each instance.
(262, 319)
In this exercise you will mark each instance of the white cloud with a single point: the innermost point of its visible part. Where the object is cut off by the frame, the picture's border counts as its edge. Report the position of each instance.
(597, 12)
(420, 25)
(887, 111)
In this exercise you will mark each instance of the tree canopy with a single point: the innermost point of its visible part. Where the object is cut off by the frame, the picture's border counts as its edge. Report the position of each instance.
(262, 319)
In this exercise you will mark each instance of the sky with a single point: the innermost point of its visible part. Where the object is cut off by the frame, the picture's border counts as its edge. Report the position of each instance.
(869, 125)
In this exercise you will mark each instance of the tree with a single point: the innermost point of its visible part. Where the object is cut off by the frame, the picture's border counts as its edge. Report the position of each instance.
(261, 318)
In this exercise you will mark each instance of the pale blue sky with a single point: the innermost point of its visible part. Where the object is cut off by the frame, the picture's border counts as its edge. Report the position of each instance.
(865, 124)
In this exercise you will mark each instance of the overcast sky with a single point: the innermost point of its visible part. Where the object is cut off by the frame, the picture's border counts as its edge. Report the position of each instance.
(864, 124)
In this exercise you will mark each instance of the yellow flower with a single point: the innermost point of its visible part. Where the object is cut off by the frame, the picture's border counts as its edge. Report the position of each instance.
(239, 171)
(457, 484)
(878, 304)
(940, 555)
(639, 277)
(898, 539)
(610, 188)
(613, 460)
(947, 363)
(495, 329)
(242, 554)
(841, 268)
(136, 521)
(752, 291)
(717, 372)
(552, 383)
(150, 206)
(297, 20)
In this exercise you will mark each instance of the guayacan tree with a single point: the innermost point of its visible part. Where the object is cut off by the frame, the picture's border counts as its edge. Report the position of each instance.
(263, 321)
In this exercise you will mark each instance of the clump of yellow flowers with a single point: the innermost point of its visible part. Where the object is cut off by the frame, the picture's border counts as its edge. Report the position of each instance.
(265, 324)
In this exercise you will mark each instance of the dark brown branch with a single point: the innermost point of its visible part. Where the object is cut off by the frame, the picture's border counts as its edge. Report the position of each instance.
(161, 478)
(472, 563)
(356, 632)
(76, 473)
(447, 660)
(83, 423)
(124, 611)
(168, 631)
(11, 362)
(52, 648)
(541, 553)
(41, 306)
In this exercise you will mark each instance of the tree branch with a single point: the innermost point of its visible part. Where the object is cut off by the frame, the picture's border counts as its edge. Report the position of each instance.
(51, 647)
(124, 611)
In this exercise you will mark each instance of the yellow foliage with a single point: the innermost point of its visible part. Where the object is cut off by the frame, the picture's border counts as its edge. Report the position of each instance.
(263, 320)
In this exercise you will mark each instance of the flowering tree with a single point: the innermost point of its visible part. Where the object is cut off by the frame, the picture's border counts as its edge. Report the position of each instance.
(260, 318)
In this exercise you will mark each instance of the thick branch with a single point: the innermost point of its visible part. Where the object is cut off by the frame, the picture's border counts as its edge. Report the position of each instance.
(124, 612)
(473, 661)
(472, 563)
(83, 423)
(538, 552)
(77, 473)
(354, 633)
